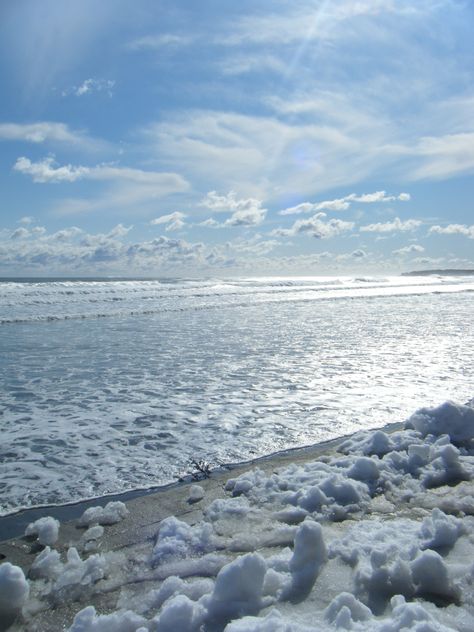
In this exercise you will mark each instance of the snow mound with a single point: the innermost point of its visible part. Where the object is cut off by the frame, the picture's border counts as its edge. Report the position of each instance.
(196, 493)
(113, 512)
(14, 588)
(46, 529)
(452, 419)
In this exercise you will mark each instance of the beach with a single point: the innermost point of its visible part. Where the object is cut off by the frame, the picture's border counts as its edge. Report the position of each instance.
(370, 532)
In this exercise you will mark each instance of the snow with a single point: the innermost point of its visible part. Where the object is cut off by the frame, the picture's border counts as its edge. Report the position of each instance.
(113, 512)
(46, 529)
(196, 493)
(377, 537)
(14, 589)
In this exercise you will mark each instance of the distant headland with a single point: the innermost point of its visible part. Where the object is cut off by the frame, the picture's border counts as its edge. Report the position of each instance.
(449, 272)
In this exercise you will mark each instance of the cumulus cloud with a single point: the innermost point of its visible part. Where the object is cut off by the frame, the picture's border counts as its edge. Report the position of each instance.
(245, 211)
(378, 196)
(174, 221)
(89, 86)
(46, 171)
(20, 233)
(395, 225)
(358, 254)
(454, 229)
(25, 221)
(210, 223)
(315, 226)
(251, 216)
(408, 250)
(74, 250)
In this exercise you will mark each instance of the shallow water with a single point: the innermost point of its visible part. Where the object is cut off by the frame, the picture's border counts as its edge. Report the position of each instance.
(98, 405)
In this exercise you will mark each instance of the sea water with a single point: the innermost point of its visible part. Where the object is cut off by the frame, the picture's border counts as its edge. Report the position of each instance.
(111, 385)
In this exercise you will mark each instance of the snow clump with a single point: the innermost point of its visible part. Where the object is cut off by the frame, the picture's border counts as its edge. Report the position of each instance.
(46, 529)
(113, 512)
(14, 589)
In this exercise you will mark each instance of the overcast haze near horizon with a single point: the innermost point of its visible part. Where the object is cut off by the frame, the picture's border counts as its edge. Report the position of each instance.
(169, 138)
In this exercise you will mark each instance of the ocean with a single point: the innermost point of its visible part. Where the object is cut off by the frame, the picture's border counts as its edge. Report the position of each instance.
(109, 385)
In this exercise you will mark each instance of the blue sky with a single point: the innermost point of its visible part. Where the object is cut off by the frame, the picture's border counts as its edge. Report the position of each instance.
(212, 137)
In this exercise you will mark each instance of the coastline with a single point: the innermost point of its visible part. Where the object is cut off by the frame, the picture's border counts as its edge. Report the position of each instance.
(13, 525)
(367, 530)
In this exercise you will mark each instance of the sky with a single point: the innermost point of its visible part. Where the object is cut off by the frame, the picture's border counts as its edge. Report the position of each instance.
(155, 137)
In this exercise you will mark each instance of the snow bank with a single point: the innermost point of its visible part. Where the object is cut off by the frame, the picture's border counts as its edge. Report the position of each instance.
(448, 419)
(46, 529)
(378, 537)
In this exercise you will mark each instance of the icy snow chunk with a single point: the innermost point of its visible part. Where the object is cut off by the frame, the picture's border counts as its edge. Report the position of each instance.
(113, 512)
(46, 529)
(411, 616)
(454, 420)
(14, 588)
(439, 530)
(357, 610)
(430, 575)
(178, 539)
(273, 622)
(224, 508)
(93, 533)
(364, 469)
(196, 493)
(180, 614)
(308, 557)
(343, 491)
(46, 565)
(78, 572)
(171, 587)
(238, 589)
(313, 498)
(88, 621)
(385, 574)
(445, 467)
(368, 443)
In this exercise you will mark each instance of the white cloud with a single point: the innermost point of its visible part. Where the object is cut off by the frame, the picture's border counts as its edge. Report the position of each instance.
(378, 196)
(20, 233)
(89, 86)
(45, 170)
(210, 223)
(260, 155)
(245, 211)
(308, 207)
(342, 204)
(160, 41)
(443, 156)
(250, 216)
(315, 226)
(306, 21)
(395, 225)
(408, 250)
(454, 229)
(45, 131)
(174, 221)
(25, 221)
(74, 250)
(359, 254)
